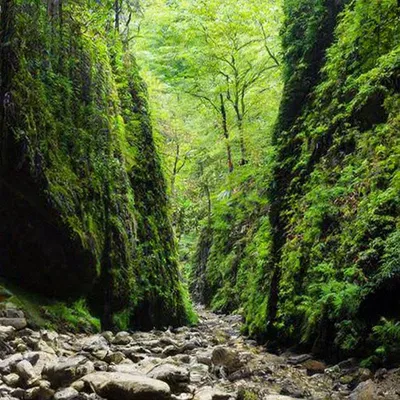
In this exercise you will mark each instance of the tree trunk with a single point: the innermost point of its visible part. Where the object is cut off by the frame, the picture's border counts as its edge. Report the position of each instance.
(117, 10)
(226, 133)
(8, 66)
(243, 160)
(175, 169)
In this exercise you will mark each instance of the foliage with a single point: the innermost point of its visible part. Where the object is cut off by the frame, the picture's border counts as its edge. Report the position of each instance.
(80, 140)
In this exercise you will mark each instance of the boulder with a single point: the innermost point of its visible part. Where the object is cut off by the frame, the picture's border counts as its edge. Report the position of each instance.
(227, 358)
(26, 372)
(66, 371)
(122, 338)
(120, 386)
(364, 391)
(176, 377)
(17, 323)
(8, 363)
(115, 358)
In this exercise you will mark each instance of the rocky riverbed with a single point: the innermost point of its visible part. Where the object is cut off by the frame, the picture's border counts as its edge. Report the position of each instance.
(211, 361)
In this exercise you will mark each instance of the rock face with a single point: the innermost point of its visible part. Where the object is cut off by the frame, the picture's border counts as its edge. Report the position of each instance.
(78, 368)
(80, 179)
(340, 95)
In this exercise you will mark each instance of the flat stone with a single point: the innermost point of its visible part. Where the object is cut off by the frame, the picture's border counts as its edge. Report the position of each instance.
(120, 386)
(209, 393)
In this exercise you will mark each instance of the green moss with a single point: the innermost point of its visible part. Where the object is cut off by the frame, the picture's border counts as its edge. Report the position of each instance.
(322, 268)
(90, 168)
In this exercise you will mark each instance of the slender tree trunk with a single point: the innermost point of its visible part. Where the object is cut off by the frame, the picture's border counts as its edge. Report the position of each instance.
(239, 122)
(175, 169)
(8, 66)
(117, 10)
(208, 195)
(226, 133)
(243, 160)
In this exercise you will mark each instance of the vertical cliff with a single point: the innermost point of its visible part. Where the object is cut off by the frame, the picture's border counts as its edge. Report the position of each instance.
(323, 270)
(83, 204)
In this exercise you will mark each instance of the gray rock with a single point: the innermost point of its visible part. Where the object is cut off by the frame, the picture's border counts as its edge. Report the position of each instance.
(66, 371)
(40, 392)
(11, 380)
(227, 358)
(209, 393)
(114, 358)
(95, 343)
(108, 335)
(26, 372)
(120, 386)
(39, 360)
(176, 377)
(171, 350)
(17, 323)
(66, 394)
(364, 391)
(298, 359)
(7, 332)
(122, 338)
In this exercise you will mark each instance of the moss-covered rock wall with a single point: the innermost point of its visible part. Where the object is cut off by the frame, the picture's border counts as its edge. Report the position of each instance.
(83, 204)
(326, 270)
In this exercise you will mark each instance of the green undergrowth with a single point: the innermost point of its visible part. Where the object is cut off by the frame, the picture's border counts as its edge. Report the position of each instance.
(42, 312)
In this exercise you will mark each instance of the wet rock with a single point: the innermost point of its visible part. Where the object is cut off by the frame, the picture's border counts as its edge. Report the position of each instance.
(119, 386)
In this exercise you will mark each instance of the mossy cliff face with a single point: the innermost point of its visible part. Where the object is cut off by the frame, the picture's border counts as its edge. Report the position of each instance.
(83, 205)
(330, 255)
